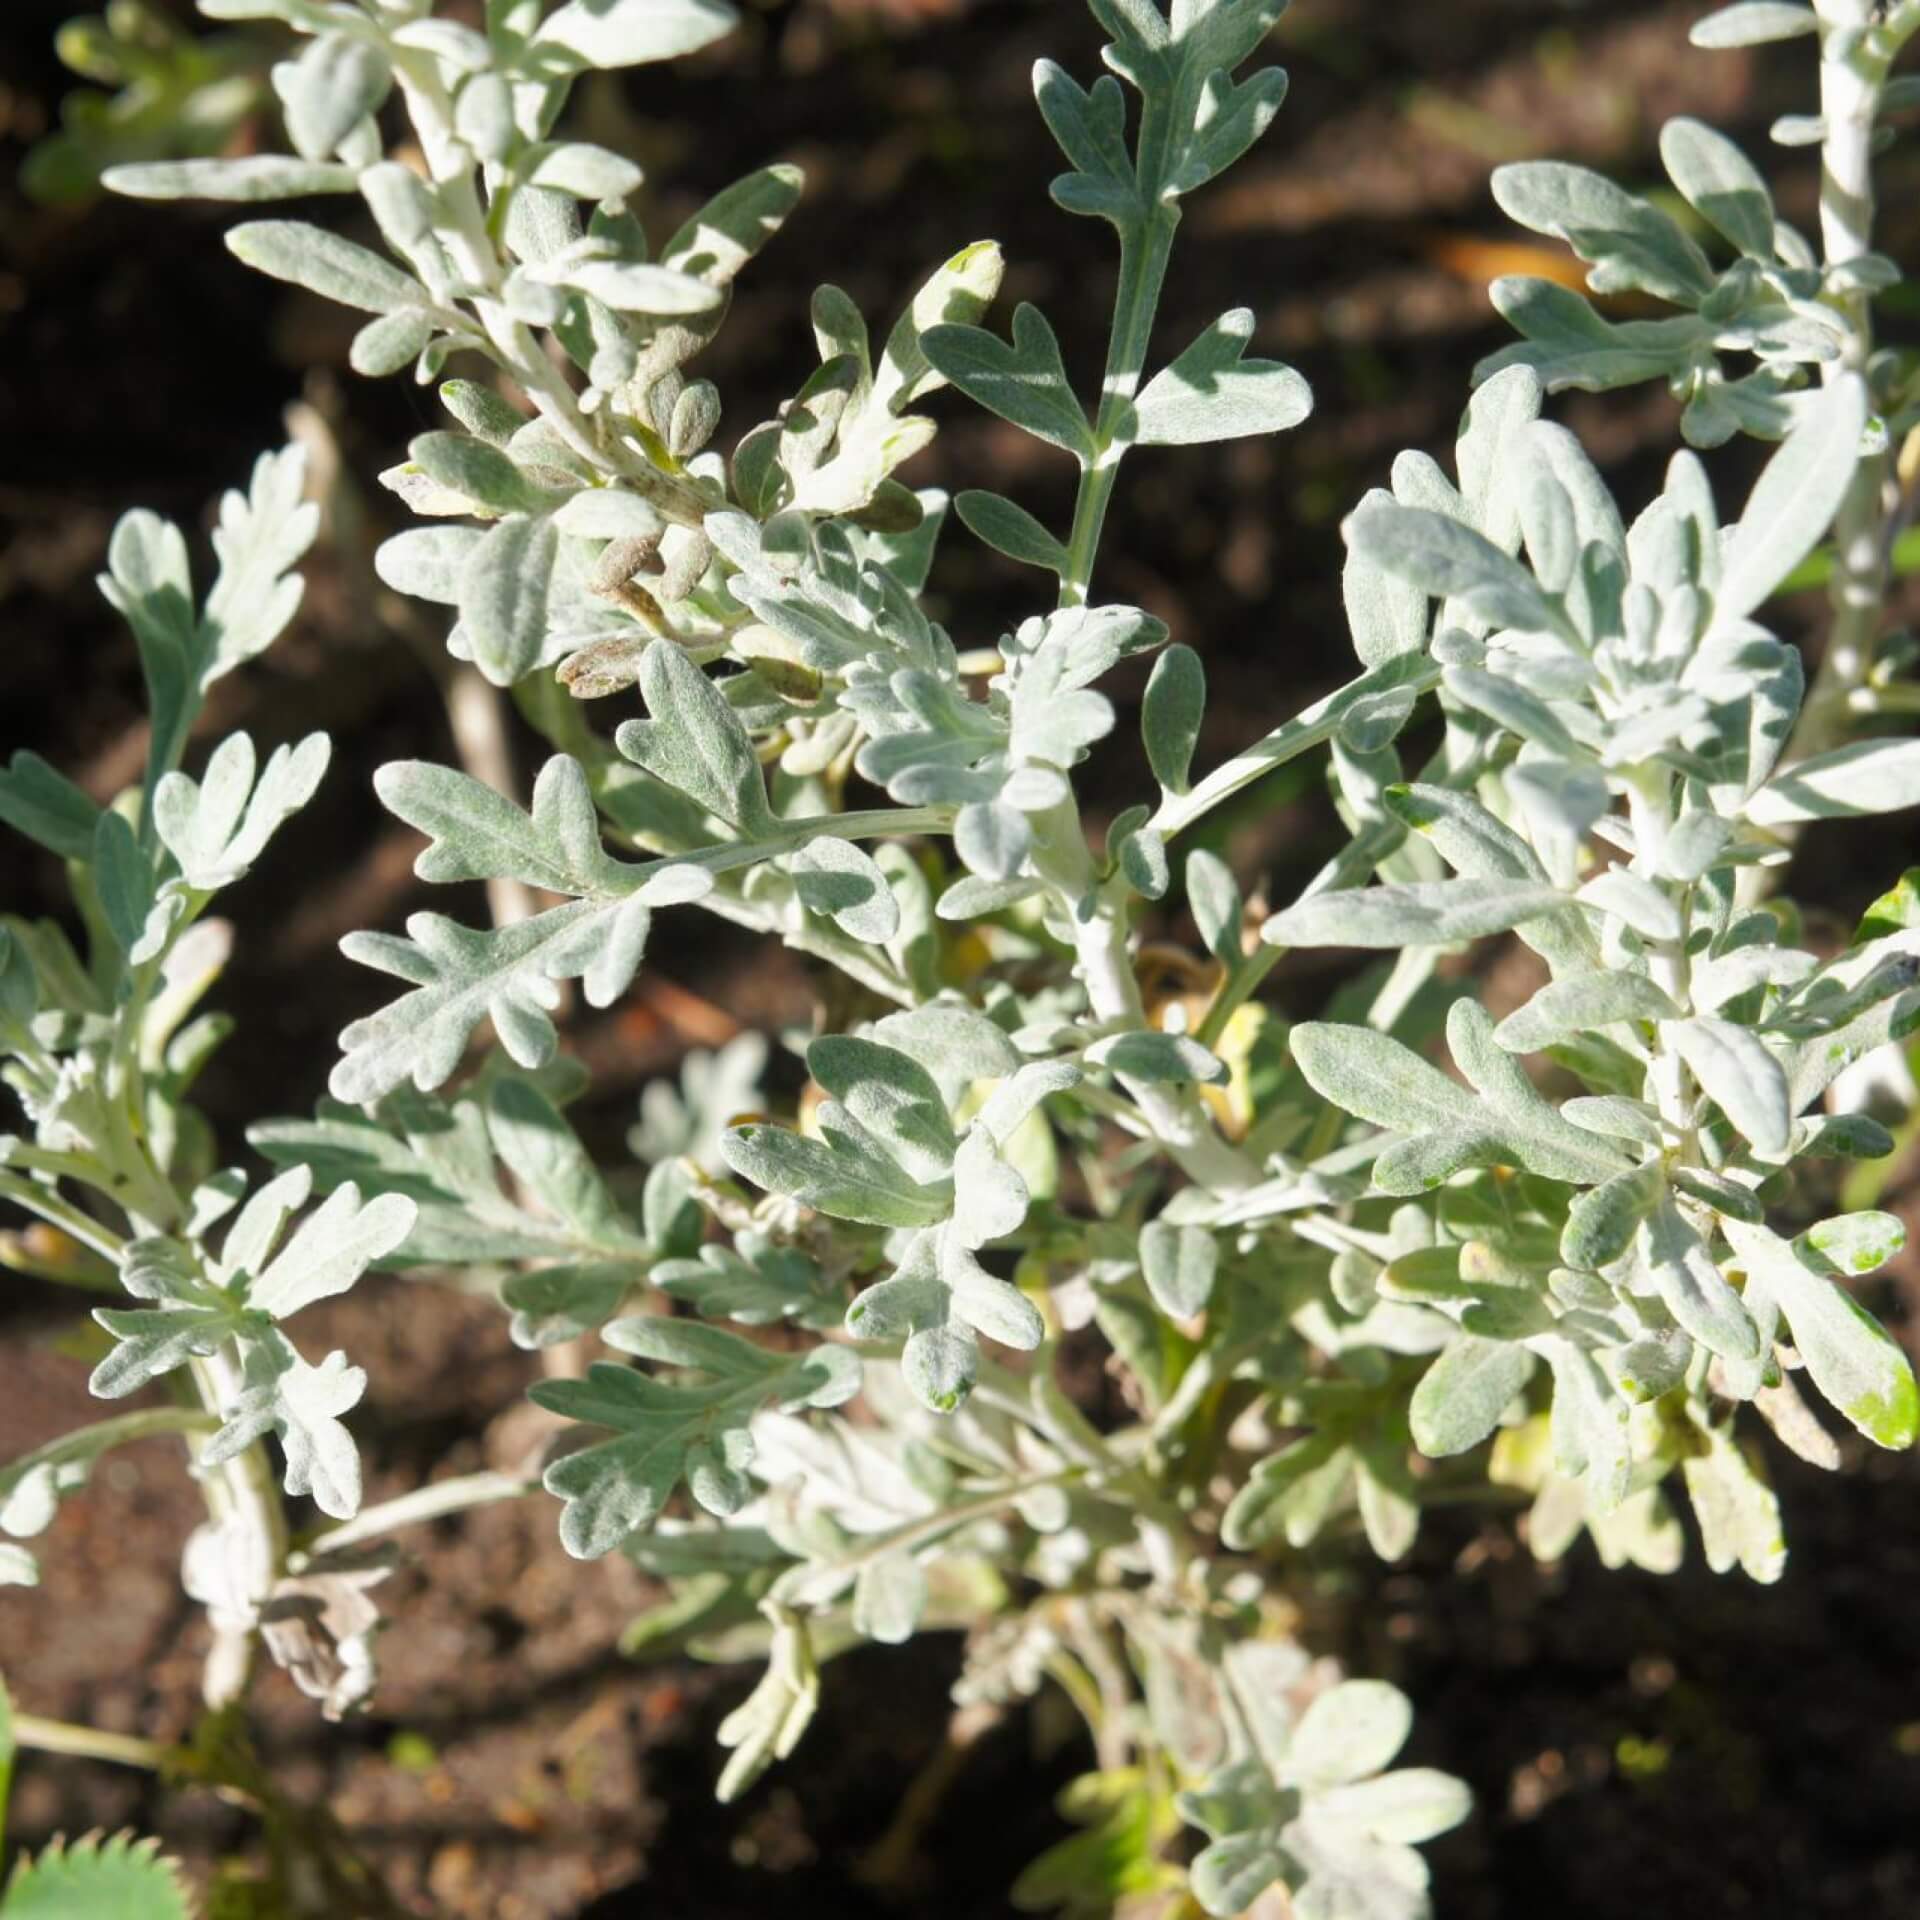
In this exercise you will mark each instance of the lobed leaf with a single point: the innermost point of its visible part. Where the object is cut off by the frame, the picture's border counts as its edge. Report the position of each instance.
(1024, 382)
(670, 1432)
(695, 742)
(1212, 393)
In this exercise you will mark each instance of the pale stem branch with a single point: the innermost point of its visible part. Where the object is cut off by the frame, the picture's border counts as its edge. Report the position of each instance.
(41, 1735)
(241, 1496)
(431, 1502)
(60, 1212)
(1414, 675)
(1851, 88)
(119, 1431)
(476, 716)
(917, 1533)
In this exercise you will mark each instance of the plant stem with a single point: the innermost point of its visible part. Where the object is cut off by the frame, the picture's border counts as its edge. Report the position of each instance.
(62, 1213)
(243, 1502)
(89, 1743)
(88, 1443)
(1179, 1118)
(1852, 83)
(1098, 913)
(1144, 251)
(1849, 102)
(432, 1502)
(1238, 988)
(915, 1533)
(1413, 674)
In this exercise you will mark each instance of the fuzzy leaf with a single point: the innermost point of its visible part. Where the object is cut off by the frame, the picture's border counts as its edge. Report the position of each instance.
(1374, 1077)
(695, 741)
(1170, 717)
(1630, 243)
(461, 977)
(842, 881)
(42, 803)
(218, 827)
(546, 1157)
(669, 1432)
(328, 1252)
(503, 596)
(553, 1305)
(1795, 498)
(835, 1179)
(303, 1405)
(734, 225)
(1861, 1371)
(1736, 1071)
(475, 833)
(628, 33)
(1423, 913)
(1011, 530)
(1579, 1003)
(1696, 1293)
(767, 1725)
(325, 264)
(1863, 777)
(1752, 23)
(254, 177)
(1721, 184)
(1160, 1057)
(336, 81)
(1211, 393)
(1178, 1264)
(892, 1097)
(957, 293)
(1450, 561)
(1462, 1395)
(756, 1285)
(1602, 1222)
(1025, 382)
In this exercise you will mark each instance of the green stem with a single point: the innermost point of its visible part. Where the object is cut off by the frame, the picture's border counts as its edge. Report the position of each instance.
(1066, 1672)
(1177, 1118)
(1239, 987)
(1144, 252)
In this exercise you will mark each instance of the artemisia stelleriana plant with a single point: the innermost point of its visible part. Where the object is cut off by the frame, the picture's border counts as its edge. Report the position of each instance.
(1344, 1268)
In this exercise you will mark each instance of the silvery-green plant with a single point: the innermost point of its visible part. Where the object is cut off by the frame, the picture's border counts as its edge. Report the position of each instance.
(1327, 1269)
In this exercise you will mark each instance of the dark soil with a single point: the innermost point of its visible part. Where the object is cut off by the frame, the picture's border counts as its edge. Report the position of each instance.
(1690, 1745)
